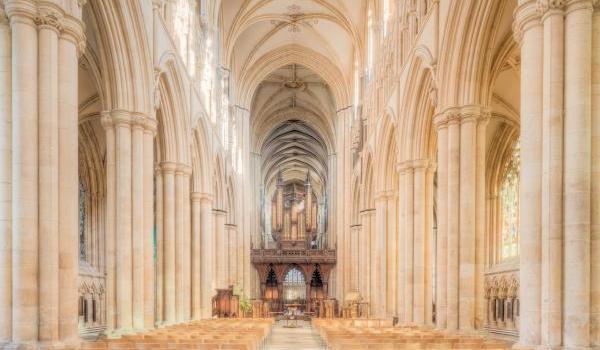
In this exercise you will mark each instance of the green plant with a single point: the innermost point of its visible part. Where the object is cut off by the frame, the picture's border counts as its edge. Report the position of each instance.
(245, 304)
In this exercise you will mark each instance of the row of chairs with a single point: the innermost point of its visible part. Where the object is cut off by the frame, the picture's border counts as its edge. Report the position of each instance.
(216, 334)
(364, 334)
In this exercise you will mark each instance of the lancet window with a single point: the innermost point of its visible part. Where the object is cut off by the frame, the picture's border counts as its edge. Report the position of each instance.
(509, 201)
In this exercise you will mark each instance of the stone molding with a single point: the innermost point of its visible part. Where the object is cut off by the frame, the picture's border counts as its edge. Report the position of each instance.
(120, 117)
(201, 196)
(548, 8)
(49, 18)
(461, 115)
(168, 167)
(574, 5)
(183, 169)
(416, 165)
(46, 15)
(385, 195)
(526, 16)
(219, 212)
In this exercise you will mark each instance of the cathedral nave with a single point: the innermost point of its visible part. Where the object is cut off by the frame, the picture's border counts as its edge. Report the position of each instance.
(290, 174)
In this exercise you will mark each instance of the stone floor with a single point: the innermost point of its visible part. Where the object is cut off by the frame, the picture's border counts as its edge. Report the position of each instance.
(302, 338)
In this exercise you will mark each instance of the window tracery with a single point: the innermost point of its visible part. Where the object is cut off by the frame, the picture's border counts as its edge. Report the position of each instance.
(82, 217)
(509, 201)
(294, 286)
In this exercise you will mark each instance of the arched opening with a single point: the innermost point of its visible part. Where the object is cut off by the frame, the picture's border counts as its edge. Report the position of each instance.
(294, 286)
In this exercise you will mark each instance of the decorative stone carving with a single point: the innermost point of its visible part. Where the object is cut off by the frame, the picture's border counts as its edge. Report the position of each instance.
(544, 6)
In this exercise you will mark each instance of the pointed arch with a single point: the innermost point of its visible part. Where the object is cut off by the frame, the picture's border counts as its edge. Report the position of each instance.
(415, 127)
(173, 116)
(201, 155)
(124, 55)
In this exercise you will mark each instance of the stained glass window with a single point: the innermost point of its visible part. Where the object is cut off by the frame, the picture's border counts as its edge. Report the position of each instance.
(509, 203)
(81, 222)
(294, 286)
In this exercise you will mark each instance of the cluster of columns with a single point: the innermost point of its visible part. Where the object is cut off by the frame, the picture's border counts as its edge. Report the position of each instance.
(129, 221)
(185, 258)
(415, 244)
(560, 152)
(39, 47)
(460, 303)
(185, 246)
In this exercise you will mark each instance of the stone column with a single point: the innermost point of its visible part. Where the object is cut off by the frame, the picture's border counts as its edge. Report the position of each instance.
(379, 253)
(168, 179)
(207, 240)
(409, 269)
(480, 218)
(123, 219)
(453, 214)
(391, 246)
(529, 31)
(401, 256)
(160, 246)
(365, 256)
(467, 198)
(552, 174)
(196, 245)
(354, 285)
(221, 252)
(137, 220)
(442, 222)
(148, 240)
(595, 204)
(577, 173)
(24, 171)
(179, 244)
(49, 23)
(187, 245)
(69, 48)
(420, 240)
(5, 180)
(110, 232)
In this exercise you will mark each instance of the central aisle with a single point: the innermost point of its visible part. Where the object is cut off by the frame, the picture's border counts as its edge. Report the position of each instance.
(304, 337)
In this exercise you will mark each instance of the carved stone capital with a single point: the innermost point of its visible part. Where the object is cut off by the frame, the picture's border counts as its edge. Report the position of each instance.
(183, 169)
(544, 6)
(168, 167)
(440, 121)
(150, 125)
(573, 5)
(74, 31)
(106, 120)
(138, 121)
(405, 167)
(21, 11)
(526, 17)
(121, 118)
(49, 18)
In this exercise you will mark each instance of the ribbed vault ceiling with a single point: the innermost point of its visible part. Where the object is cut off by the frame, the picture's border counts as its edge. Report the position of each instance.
(295, 149)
